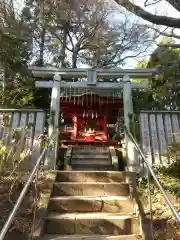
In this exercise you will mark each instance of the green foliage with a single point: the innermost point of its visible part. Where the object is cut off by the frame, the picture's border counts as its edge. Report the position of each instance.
(142, 100)
(163, 92)
(142, 63)
(134, 126)
(15, 51)
(42, 98)
(170, 179)
(169, 175)
(165, 85)
(19, 95)
(174, 155)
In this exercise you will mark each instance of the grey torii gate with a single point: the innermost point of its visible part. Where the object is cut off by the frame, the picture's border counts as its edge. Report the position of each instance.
(55, 82)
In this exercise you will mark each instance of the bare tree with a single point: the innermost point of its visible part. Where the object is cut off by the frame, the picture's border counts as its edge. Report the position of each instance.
(91, 23)
(115, 43)
(170, 23)
(87, 35)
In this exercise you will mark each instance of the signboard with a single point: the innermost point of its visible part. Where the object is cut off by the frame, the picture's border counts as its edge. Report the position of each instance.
(146, 136)
(159, 130)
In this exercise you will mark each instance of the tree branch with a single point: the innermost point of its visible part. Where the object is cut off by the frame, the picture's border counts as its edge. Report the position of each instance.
(156, 19)
(146, 4)
(71, 40)
(171, 35)
(169, 45)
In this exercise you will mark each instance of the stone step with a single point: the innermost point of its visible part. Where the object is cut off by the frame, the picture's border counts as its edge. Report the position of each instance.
(90, 223)
(91, 167)
(88, 237)
(90, 189)
(105, 154)
(90, 156)
(100, 169)
(111, 204)
(91, 176)
(91, 150)
(91, 162)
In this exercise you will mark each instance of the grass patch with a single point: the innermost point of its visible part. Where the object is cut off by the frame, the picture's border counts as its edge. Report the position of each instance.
(165, 225)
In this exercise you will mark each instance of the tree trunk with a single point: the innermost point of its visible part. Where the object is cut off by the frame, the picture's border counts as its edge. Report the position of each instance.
(74, 59)
(41, 51)
(42, 34)
(4, 86)
(63, 48)
(77, 48)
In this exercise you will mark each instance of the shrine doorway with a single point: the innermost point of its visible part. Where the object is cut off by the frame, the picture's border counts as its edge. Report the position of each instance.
(89, 117)
(91, 129)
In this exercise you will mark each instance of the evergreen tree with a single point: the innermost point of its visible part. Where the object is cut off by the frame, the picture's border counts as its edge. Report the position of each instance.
(15, 51)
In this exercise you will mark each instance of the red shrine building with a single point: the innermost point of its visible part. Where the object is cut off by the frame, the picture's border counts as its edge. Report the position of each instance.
(90, 118)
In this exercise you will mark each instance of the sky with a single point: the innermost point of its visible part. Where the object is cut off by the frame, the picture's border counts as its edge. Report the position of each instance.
(19, 4)
(161, 8)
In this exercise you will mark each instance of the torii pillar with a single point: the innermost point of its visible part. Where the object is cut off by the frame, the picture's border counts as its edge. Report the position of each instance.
(132, 160)
(51, 158)
(55, 104)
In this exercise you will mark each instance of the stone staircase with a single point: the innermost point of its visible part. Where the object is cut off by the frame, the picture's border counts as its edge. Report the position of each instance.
(90, 204)
(91, 158)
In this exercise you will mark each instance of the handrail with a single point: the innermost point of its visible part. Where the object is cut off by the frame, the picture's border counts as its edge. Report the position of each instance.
(175, 213)
(24, 191)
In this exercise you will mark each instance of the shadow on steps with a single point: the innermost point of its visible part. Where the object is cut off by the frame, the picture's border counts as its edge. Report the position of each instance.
(121, 162)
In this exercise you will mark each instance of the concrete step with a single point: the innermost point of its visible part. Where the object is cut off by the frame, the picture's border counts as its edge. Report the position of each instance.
(91, 167)
(91, 150)
(90, 223)
(90, 156)
(105, 154)
(111, 204)
(91, 161)
(90, 189)
(89, 237)
(91, 176)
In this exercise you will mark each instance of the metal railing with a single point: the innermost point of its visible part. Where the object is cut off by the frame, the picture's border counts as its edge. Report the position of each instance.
(25, 189)
(151, 171)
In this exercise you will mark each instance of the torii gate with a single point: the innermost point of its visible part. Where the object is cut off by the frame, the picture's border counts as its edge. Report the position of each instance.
(56, 83)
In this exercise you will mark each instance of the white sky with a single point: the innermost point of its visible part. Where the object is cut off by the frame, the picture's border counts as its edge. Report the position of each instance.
(161, 8)
(19, 4)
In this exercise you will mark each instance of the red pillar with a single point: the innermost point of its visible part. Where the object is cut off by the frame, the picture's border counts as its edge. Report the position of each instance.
(105, 124)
